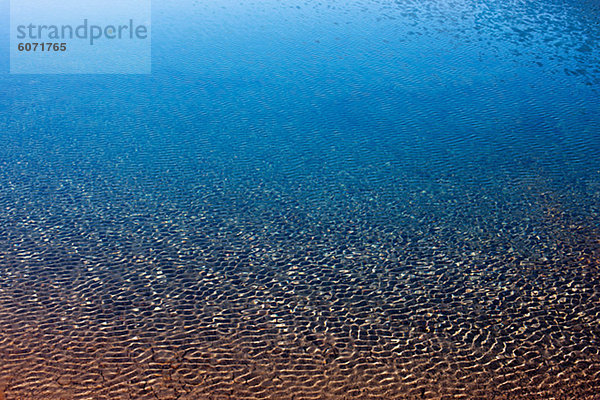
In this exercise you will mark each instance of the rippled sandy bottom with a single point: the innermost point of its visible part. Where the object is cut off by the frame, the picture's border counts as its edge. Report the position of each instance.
(250, 292)
(249, 320)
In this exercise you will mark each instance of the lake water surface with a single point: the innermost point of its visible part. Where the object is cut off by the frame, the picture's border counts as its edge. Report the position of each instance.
(311, 200)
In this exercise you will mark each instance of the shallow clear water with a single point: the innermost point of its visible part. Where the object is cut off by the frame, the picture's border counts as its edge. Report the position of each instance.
(311, 200)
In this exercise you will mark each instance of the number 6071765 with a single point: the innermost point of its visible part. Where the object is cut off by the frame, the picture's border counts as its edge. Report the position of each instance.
(43, 46)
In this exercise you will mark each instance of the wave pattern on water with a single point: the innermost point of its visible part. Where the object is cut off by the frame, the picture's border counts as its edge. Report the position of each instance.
(411, 212)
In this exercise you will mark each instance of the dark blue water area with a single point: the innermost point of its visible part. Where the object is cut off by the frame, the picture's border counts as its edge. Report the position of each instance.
(420, 171)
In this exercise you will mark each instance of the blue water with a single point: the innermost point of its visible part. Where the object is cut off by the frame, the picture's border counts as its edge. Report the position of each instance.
(310, 199)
